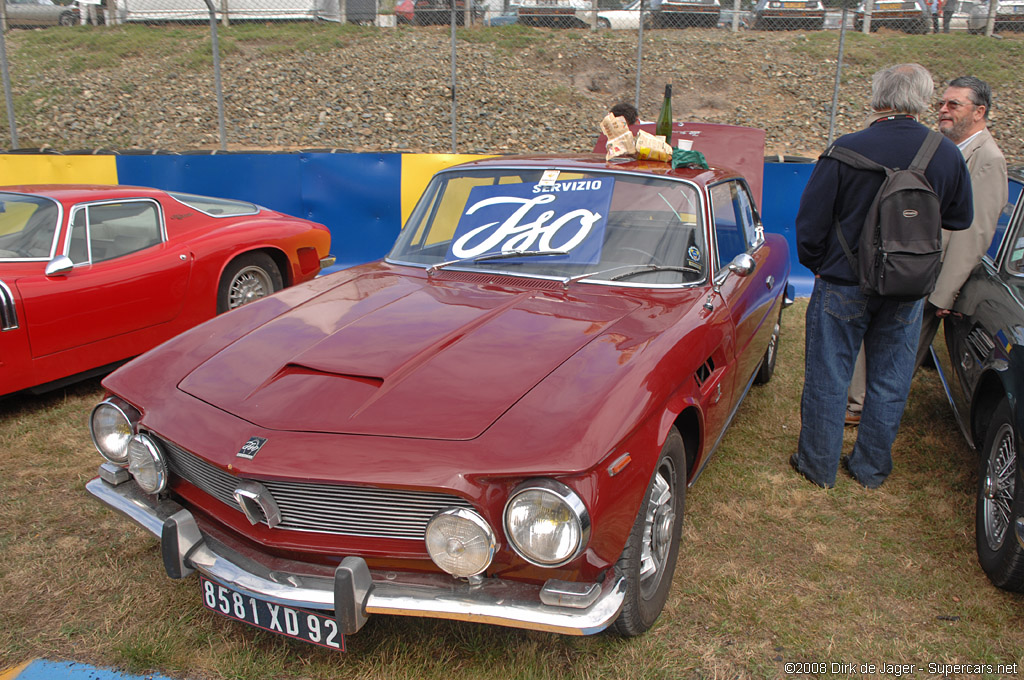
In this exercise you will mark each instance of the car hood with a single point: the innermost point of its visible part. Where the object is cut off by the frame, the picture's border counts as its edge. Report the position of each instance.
(387, 354)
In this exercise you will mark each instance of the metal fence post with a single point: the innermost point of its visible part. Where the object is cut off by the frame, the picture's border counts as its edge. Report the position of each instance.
(639, 54)
(216, 75)
(835, 88)
(8, 97)
(453, 77)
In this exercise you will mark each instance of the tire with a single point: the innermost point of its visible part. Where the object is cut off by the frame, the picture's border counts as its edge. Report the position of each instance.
(604, 24)
(1000, 500)
(767, 368)
(649, 559)
(66, 19)
(247, 278)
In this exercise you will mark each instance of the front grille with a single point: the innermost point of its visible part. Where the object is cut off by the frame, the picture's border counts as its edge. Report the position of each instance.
(326, 508)
(8, 312)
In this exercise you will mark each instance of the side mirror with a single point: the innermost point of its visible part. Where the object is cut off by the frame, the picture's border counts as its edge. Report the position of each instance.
(59, 265)
(742, 265)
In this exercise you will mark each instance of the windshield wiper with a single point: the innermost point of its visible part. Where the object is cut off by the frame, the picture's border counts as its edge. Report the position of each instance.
(634, 270)
(507, 255)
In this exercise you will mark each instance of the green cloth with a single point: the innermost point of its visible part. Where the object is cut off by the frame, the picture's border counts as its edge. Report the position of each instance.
(688, 159)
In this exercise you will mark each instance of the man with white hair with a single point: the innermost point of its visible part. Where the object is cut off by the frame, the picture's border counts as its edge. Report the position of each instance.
(840, 316)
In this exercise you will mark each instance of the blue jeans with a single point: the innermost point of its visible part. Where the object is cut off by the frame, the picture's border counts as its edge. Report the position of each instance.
(838, 319)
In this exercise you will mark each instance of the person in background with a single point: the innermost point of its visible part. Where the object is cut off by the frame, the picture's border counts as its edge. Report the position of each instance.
(935, 6)
(948, 8)
(627, 111)
(963, 118)
(839, 315)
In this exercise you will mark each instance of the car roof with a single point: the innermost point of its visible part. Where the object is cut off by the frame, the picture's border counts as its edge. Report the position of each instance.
(74, 193)
(597, 163)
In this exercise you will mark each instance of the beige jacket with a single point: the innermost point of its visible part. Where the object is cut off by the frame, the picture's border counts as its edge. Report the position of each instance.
(963, 250)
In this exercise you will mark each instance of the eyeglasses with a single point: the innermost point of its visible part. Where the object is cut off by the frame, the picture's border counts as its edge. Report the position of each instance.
(951, 104)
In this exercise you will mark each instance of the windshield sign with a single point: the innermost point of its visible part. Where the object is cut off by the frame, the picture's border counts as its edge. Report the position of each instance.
(565, 216)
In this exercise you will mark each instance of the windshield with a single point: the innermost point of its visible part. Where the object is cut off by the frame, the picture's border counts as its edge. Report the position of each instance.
(567, 224)
(28, 227)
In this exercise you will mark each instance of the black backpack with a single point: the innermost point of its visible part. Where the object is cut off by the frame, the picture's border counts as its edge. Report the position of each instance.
(900, 247)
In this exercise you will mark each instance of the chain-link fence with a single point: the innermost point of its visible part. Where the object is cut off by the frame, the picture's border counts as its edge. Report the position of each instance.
(277, 74)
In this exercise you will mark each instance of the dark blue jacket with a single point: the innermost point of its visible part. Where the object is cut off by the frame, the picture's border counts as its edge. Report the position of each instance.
(837, 190)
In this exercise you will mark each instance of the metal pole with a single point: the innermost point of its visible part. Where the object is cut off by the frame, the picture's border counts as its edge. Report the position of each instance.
(453, 78)
(835, 88)
(216, 75)
(868, 6)
(736, 16)
(8, 97)
(639, 54)
(990, 24)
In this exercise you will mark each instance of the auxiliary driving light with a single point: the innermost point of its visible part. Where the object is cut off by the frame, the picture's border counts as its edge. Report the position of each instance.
(146, 464)
(460, 542)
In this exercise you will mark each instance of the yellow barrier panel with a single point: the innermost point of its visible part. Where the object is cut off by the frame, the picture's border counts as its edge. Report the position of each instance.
(417, 169)
(53, 169)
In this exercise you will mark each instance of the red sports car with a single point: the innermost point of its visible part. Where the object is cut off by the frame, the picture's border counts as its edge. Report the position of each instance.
(496, 423)
(93, 275)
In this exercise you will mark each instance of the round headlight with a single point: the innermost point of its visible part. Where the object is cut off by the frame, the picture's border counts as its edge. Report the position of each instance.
(146, 464)
(460, 542)
(112, 427)
(546, 523)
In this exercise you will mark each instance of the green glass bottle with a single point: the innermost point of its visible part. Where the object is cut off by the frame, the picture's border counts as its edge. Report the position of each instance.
(664, 125)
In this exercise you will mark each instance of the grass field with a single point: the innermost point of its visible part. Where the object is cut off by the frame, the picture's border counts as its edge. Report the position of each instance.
(773, 570)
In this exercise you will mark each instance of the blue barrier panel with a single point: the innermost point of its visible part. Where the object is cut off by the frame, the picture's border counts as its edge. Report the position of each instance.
(783, 185)
(358, 197)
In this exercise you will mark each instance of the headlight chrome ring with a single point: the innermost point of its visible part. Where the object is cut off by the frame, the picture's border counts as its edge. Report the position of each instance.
(546, 523)
(112, 424)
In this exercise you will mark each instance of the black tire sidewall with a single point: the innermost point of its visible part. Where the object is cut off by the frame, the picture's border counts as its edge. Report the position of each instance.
(638, 613)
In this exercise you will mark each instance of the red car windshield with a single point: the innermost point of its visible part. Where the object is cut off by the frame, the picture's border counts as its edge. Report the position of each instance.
(630, 229)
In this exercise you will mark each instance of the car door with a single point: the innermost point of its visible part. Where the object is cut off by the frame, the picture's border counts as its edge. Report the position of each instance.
(738, 230)
(982, 323)
(125, 278)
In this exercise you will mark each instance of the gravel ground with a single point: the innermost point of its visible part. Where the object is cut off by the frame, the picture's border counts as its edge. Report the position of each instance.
(389, 90)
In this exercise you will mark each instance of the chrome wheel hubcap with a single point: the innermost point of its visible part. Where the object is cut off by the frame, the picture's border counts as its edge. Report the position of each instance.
(999, 486)
(249, 284)
(659, 523)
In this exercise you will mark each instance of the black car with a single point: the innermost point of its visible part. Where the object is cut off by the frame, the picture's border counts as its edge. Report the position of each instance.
(982, 369)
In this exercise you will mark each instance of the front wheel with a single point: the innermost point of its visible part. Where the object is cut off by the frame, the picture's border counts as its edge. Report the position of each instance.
(247, 278)
(66, 19)
(999, 502)
(649, 559)
(603, 23)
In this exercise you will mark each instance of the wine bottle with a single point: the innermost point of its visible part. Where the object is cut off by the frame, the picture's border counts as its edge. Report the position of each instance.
(664, 125)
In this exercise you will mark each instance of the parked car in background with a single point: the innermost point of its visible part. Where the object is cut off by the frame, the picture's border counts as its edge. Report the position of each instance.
(1009, 16)
(909, 16)
(626, 17)
(496, 423)
(789, 15)
(33, 13)
(981, 362)
(687, 14)
(93, 275)
(554, 13)
(439, 12)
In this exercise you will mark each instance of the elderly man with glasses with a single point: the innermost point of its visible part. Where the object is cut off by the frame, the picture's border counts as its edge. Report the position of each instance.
(963, 118)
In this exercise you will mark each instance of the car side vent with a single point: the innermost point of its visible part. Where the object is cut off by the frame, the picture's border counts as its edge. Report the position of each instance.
(980, 342)
(704, 371)
(8, 311)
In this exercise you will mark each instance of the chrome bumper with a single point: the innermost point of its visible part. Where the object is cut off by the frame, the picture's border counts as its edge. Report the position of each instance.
(354, 591)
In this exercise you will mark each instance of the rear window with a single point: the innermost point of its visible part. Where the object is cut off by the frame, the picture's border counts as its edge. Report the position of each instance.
(216, 207)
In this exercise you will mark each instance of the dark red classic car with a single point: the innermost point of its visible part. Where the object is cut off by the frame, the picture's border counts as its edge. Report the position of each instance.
(496, 423)
(93, 275)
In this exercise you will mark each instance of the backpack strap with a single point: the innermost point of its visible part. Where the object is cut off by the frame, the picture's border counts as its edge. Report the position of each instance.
(854, 159)
(928, 148)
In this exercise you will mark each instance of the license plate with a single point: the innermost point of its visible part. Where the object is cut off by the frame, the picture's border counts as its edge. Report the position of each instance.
(298, 624)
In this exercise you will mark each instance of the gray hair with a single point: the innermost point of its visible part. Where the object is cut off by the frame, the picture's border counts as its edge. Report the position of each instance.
(981, 93)
(904, 88)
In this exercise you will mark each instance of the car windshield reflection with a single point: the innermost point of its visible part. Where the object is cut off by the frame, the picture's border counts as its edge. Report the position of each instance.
(590, 226)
